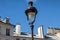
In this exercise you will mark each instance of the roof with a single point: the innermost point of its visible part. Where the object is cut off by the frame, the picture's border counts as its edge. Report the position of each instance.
(52, 37)
(23, 33)
(54, 28)
(8, 23)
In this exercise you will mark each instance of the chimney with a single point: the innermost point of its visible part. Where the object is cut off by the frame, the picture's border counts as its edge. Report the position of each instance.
(6, 20)
(18, 29)
(40, 32)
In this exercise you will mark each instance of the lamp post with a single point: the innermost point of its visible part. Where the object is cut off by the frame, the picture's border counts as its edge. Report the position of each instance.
(31, 13)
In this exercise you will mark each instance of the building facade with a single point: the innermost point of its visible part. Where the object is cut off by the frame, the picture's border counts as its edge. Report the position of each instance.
(7, 32)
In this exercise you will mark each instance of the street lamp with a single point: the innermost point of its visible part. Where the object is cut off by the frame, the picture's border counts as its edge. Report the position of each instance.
(31, 13)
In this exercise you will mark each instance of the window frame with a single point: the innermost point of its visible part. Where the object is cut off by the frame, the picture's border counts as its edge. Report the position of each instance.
(7, 32)
(0, 29)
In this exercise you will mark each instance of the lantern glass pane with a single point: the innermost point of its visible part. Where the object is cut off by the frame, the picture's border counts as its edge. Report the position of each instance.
(31, 16)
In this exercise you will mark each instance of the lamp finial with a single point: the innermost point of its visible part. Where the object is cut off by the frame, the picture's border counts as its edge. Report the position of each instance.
(31, 3)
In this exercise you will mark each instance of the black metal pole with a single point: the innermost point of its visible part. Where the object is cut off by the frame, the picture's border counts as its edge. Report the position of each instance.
(32, 31)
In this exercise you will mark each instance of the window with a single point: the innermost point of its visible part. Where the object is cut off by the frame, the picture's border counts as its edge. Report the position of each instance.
(17, 39)
(24, 39)
(0, 29)
(7, 32)
(7, 39)
(0, 38)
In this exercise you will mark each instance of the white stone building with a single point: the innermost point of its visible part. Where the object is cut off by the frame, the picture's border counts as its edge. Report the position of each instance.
(7, 32)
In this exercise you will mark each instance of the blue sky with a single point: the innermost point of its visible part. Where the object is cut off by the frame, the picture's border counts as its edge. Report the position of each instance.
(48, 13)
